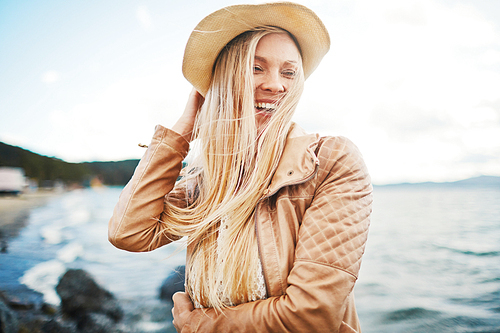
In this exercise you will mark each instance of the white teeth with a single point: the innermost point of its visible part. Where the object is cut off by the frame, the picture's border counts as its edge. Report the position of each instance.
(266, 106)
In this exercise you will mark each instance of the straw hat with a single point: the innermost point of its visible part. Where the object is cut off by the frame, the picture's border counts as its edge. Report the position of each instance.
(219, 28)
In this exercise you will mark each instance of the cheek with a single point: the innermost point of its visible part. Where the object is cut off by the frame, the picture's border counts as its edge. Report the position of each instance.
(256, 82)
(288, 83)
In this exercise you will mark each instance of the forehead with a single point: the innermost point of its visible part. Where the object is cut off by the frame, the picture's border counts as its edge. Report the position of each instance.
(278, 46)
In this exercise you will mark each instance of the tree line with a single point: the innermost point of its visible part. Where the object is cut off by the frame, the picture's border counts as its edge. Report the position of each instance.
(43, 168)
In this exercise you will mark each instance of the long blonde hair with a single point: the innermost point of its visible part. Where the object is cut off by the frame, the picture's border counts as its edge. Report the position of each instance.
(232, 169)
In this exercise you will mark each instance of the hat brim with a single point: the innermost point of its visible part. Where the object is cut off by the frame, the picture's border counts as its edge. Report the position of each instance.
(219, 28)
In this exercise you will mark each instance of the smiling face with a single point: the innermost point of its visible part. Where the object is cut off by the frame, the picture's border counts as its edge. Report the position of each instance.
(275, 66)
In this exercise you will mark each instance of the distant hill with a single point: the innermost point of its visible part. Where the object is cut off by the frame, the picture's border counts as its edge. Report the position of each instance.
(44, 168)
(481, 181)
(113, 173)
(47, 169)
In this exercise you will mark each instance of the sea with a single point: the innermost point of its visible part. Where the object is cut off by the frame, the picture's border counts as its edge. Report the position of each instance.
(432, 261)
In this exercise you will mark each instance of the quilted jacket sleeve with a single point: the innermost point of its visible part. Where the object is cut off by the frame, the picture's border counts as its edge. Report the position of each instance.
(136, 222)
(328, 253)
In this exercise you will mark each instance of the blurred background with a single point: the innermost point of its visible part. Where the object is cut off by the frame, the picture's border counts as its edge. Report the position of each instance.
(415, 85)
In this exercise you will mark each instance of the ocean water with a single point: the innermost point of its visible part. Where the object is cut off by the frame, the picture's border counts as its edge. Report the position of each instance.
(71, 232)
(432, 262)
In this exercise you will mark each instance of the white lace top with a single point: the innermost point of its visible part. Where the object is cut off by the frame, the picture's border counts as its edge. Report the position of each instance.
(259, 286)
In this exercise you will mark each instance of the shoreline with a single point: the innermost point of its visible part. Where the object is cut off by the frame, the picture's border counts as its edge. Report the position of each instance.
(25, 304)
(15, 211)
(11, 204)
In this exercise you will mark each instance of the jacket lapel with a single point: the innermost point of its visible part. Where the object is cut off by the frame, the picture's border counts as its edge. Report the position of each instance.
(298, 161)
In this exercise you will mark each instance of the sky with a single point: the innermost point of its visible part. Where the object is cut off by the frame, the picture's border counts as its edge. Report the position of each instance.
(414, 84)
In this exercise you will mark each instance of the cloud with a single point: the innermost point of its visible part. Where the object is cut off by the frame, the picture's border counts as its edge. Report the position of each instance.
(413, 14)
(144, 18)
(110, 125)
(479, 158)
(414, 84)
(490, 57)
(493, 105)
(14, 139)
(51, 77)
(404, 122)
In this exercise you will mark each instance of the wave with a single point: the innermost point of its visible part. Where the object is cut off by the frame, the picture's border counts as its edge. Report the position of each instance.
(424, 320)
(470, 252)
(43, 278)
(459, 324)
(52, 234)
(70, 252)
(411, 313)
(480, 254)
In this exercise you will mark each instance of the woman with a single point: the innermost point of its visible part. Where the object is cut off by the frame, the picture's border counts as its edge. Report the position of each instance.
(276, 220)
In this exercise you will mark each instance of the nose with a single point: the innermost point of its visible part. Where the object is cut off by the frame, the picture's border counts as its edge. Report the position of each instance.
(272, 82)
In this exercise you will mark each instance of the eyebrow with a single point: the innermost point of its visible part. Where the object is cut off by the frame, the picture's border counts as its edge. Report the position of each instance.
(291, 62)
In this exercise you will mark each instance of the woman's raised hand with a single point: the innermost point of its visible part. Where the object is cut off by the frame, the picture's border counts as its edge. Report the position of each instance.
(184, 126)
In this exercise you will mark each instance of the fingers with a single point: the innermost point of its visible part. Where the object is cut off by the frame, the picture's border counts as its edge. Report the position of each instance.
(185, 124)
(181, 310)
(175, 312)
(173, 321)
(195, 101)
(177, 296)
(182, 301)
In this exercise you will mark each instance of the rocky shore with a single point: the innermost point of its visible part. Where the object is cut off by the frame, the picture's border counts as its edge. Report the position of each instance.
(85, 307)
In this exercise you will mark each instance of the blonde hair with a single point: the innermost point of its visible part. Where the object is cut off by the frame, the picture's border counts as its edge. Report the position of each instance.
(232, 170)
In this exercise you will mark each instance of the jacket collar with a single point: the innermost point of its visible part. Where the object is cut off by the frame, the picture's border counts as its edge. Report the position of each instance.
(298, 161)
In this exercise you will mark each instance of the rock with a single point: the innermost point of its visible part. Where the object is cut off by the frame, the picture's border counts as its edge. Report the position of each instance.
(19, 304)
(46, 325)
(173, 283)
(3, 297)
(48, 309)
(3, 243)
(81, 295)
(8, 319)
(21, 298)
(97, 323)
(31, 324)
(37, 322)
(55, 326)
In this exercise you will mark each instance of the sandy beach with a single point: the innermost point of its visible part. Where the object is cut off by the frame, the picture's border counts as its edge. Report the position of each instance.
(14, 210)
(11, 203)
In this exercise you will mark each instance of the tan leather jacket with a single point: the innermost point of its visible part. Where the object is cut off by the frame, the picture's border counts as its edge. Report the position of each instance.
(311, 227)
